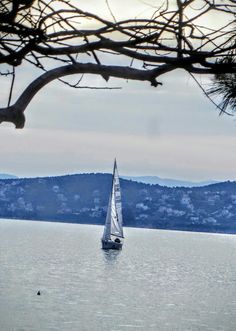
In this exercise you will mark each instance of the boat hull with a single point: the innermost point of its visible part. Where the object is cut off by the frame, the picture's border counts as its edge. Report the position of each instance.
(111, 244)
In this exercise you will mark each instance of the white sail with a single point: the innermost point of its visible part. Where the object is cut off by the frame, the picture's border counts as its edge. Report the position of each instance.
(114, 222)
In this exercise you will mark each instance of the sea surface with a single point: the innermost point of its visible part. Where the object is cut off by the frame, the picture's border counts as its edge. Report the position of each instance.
(161, 280)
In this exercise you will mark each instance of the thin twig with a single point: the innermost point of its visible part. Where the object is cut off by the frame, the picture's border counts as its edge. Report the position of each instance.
(11, 88)
(87, 87)
(222, 111)
(109, 8)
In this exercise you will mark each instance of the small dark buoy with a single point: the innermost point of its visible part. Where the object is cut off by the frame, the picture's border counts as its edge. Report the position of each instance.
(38, 293)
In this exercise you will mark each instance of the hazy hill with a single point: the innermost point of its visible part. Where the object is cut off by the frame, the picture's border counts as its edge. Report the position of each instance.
(83, 199)
(7, 176)
(168, 181)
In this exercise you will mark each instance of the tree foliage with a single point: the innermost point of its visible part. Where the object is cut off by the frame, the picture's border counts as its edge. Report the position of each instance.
(61, 39)
(224, 84)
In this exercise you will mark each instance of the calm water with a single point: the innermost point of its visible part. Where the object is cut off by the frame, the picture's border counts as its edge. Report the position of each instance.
(161, 280)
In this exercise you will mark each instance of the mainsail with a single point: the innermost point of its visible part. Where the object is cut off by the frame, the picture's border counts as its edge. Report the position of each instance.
(114, 222)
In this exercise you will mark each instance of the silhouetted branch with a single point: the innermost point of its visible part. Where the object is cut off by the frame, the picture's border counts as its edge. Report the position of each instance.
(15, 112)
(11, 88)
(48, 34)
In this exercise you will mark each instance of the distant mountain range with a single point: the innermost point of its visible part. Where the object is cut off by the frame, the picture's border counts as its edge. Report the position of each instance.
(168, 182)
(7, 176)
(84, 198)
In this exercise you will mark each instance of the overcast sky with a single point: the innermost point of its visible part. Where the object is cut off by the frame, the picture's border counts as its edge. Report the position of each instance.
(171, 131)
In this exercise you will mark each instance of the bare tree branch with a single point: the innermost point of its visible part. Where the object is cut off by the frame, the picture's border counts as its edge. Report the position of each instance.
(11, 88)
(58, 33)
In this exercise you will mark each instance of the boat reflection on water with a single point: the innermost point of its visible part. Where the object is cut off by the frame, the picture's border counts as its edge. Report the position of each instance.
(111, 256)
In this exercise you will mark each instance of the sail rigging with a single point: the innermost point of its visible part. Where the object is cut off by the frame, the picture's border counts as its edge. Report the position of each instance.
(114, 222)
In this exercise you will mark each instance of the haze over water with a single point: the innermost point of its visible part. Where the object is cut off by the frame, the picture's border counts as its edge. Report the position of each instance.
(161, 280)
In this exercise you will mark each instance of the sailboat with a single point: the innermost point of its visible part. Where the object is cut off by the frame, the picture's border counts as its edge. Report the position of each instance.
(113, 231)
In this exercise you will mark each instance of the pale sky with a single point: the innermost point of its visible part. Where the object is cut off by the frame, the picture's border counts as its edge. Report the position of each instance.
(171, 131)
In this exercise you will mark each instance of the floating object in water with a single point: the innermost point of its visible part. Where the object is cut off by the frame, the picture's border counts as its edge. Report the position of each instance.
(38, 293)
